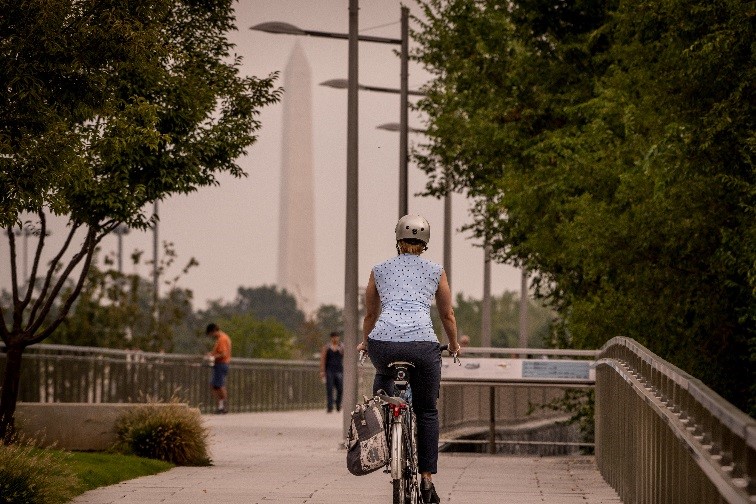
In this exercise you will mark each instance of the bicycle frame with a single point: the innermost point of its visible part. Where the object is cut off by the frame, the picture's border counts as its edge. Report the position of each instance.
(401, 434)
(397, 425)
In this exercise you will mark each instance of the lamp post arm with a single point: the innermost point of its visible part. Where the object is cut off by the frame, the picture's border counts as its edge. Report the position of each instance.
(281, 28)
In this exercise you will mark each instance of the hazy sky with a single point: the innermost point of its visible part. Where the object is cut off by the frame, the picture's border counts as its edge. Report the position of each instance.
(232, 229)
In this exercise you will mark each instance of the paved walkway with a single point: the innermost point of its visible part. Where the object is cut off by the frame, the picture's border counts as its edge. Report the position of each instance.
(293, 457)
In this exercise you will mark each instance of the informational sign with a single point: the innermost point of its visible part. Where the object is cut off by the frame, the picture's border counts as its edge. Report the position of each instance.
(556, 369)
(485, 369)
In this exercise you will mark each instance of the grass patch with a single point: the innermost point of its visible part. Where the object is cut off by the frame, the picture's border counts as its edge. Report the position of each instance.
(31, 475)
(97, 469)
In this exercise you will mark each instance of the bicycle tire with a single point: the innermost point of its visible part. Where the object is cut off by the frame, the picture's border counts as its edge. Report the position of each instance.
(412, 483)
(398, 462)
(399, 491)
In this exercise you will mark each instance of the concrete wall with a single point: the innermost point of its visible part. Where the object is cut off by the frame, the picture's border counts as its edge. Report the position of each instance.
(72, 426)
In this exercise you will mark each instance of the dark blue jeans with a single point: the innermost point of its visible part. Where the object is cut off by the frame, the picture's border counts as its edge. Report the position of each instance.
(425, 381)
(334, 383)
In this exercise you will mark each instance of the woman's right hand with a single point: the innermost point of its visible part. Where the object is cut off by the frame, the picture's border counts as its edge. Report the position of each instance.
(362, 347)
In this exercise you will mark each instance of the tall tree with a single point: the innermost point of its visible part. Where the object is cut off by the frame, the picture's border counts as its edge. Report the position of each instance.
(105, 107)
(264, 302)
(609, 146)
(114, 310)
(505, 320)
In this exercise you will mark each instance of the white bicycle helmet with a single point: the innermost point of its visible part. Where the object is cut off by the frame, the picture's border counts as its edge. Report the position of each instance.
(413, 227)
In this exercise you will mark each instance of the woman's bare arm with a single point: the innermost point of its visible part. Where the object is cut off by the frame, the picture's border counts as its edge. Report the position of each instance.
(372, 311)
(446, 312)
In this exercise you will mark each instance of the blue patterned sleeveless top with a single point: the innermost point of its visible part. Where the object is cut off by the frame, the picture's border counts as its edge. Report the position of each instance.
(406, 285)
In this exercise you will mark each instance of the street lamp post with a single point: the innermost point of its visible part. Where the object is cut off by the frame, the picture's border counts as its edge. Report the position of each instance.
(485, 325)
(403, 116)
(403, 92)
(119, 231)
(523, 329)
(351, 272)
(351, 265)
(26, 233)
(155, 242)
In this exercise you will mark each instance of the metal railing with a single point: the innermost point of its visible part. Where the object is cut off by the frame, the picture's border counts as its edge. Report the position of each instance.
(662, 436)
(61, 373)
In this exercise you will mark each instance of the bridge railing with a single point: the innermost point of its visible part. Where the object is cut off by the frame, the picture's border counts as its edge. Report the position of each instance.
(62, 373)
(662, 436)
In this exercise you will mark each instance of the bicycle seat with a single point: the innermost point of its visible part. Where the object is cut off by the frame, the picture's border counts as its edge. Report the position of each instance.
(399, 364)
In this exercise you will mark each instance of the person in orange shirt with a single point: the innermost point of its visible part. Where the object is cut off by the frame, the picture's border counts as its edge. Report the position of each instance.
(222, 354)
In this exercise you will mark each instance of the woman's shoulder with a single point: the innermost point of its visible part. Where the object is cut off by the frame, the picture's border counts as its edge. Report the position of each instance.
(404, 259)
(429, 263)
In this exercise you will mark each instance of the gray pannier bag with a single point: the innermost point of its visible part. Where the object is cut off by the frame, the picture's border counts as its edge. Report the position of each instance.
(366, 442)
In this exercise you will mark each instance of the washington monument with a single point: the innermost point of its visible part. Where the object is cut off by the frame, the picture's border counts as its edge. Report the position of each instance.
(296, 227)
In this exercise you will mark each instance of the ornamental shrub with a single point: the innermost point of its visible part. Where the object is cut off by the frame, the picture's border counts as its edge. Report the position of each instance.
(169, 432)
(30, 475)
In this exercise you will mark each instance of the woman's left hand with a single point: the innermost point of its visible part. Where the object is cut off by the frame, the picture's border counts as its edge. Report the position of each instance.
(362, 347)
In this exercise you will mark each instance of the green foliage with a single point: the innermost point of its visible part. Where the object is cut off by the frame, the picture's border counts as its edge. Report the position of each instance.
(117, 311)
(113, 106)
(609, 147)
(32, 476)
(505, 320)
(263, 302)
(251, 337)
(271, 325)
(107, 107)
(171, 432)
(580, 405)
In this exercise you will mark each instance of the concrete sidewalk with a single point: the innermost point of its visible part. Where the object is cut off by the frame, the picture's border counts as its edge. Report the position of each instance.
(294, 457)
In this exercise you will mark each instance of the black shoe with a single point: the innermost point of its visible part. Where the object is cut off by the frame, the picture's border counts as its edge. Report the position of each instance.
(221, 411)
(428, 492)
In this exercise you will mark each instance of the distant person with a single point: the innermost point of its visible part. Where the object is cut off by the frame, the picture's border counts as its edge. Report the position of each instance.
(332, 371)
(464, 341)
(222, 354)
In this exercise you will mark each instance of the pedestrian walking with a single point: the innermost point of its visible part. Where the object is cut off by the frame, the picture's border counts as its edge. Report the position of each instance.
(332, 371)
(221, 353)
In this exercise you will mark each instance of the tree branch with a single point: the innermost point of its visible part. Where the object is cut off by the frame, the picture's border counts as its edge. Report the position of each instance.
(51, 272)
(87, 252)
(17, 318)
(3, 330)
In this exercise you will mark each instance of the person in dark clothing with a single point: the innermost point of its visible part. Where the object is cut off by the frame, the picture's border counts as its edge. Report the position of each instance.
(332, 371)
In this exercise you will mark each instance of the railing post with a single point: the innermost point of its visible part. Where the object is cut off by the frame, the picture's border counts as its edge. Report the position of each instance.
(492, 419)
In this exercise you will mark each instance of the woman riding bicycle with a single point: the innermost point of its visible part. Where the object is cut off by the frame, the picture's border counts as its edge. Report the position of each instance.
(398, 327)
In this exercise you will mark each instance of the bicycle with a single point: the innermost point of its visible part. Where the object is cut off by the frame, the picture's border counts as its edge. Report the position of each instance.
(401, 433)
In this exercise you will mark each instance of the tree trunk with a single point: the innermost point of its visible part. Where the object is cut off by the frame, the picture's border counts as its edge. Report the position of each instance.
(9, 395)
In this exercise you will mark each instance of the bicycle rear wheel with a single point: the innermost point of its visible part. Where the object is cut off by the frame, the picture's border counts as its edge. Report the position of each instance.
(412, 482)
(398, 462)
(406, 488)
